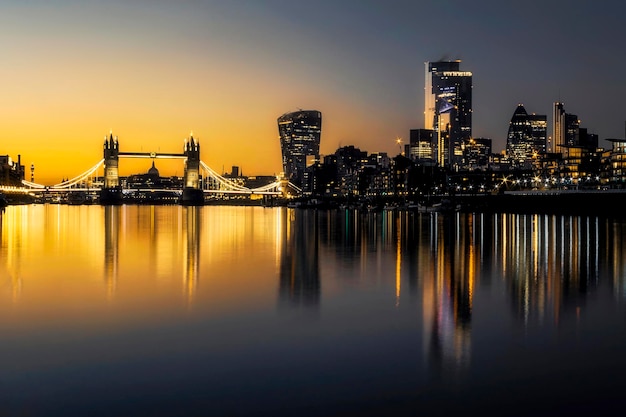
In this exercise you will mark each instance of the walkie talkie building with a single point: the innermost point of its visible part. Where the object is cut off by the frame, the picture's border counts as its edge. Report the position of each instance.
(300, 134)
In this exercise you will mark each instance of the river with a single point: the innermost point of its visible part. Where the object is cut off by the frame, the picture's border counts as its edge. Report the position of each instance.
(246, 311)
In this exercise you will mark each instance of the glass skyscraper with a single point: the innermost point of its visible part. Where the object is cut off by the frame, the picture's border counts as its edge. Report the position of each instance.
(300, 134)
(448, 109)
(526, 139)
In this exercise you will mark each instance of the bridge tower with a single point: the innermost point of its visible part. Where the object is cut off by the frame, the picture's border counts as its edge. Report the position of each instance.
(192, 193)
(111, 192)
(284, 187)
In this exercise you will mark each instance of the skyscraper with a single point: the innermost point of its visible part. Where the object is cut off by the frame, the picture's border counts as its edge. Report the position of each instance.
(448, 109)
(526, 138)
(572, 127)
(558, 126)
(300, 133)
(565, 128)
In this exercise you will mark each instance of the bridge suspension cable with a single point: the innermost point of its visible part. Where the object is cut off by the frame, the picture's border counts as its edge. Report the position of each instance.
(225, 185)
(228, 184)
(68, 183)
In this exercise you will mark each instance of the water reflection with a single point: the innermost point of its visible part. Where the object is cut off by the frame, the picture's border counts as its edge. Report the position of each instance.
(197, 300)
(191, 260)
(10, 280)
(112, 219)
(549, 265)
(447, 292)
(186, 229)
(299, 280)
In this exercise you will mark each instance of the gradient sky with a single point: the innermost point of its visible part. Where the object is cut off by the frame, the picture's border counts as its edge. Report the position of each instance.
(153, 71)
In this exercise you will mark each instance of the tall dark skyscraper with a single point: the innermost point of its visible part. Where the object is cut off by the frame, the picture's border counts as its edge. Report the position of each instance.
(558, 127)
(526, 138)
(300, 134)
(448, 109)
(565, 128)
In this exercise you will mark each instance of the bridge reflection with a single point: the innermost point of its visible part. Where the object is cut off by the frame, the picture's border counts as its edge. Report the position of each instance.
(297, 240)
(115, 221)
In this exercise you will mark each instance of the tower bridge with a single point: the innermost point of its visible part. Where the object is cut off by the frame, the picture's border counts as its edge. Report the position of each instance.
(198, 179)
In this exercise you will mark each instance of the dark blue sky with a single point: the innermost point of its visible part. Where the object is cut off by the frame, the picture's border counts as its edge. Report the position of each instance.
(530, 52)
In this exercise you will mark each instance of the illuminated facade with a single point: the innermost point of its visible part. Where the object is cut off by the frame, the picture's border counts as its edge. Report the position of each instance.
(565, 128)
(526, 139)
(476, 154)
(448, 109)
(558, 124)
(300, 134)
(111, 162)
(618, 162)
(421, 147)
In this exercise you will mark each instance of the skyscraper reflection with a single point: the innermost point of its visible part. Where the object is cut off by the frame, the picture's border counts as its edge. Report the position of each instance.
(447, 292)
(548, 264)
(299, 260)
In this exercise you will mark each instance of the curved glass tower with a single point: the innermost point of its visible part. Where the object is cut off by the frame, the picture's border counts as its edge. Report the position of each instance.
(526, 139)
(300, 133)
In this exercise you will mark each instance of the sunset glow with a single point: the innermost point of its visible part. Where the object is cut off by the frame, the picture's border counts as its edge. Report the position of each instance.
(151, 72)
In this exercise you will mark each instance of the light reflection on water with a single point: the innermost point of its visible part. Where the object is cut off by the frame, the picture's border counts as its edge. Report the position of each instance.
(242, 309)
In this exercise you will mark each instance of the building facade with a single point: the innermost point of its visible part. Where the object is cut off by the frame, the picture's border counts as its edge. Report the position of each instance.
(558, 126)
(565, 128)
(526, 138)
(11, 172)
(448, 109)
(476, 154)
(422, 146)
(300, 134)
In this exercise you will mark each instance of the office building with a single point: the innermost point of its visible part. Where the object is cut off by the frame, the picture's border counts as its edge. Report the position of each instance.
(526, 138)
(572, 126)
(422, 146)
(300, 134)
(476, 154)
(565, 128)
(448, 109)
(558, 124)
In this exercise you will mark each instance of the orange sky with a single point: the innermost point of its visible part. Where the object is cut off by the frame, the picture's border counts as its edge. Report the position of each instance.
(153, 71)
(152, 78)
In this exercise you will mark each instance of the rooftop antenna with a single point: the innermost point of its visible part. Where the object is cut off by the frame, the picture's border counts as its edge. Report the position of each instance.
(399, 142)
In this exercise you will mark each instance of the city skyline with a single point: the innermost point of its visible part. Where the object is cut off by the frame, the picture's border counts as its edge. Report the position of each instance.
(152, 72)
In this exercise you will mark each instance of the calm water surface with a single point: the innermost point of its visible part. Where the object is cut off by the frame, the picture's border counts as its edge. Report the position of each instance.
(168, 310)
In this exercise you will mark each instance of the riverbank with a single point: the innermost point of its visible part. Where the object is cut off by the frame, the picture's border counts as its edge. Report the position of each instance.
(569, 202)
